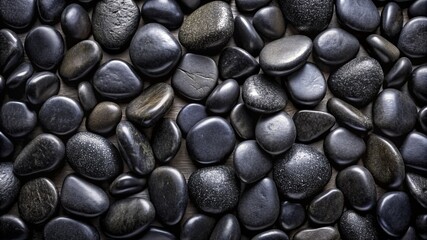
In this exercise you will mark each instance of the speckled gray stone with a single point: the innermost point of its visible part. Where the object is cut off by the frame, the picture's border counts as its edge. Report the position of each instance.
(349, 116)
(357, 226)
(323, 233)
(310, 124)
(9, 186)
(18, 14)
(236, 63)
(17, 119)
(416, 185)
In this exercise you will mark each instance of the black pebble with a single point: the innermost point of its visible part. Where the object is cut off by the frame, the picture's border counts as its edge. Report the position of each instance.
(9, 186)
(20, 75)
(269, 22)
(12, 50)
(421, 225)
(197, 227)
(166, 140)
(168, 13)
(398, 74)
(243, 121)
(391, 20)
(104, 118)
(414, 151)
(246, 37)
(311, 125)
(422, 119)
(382, 50)
(327, 207)
(75, 22)
(418, 8)
(358, 226)
(6, 146)
(189, 115)
(418, 84)
(224, 97)
(127, 184)
(13, 228)
(50, 10)
(349, 116)
(394, 213)
(18, 14)
(41, 86)
(343, 147)
(68, 228)
(250, 5)
(416, 184)
(412, 38)
(292, 215)
(227, 228)
(349, 13)
(17, 119)
(86, 96)
(273, 234)
(236, 63)
(323, 233)
(157, 233)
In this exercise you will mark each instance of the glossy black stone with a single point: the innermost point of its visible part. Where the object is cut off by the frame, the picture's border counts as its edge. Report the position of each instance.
(166, 140)
(292, 215)
(382, 50)
(86, 96)
(127, 184)
(189, 115)
(250, 162)
(273, 234)
(327, 207)
(422, 119)
(246, 37)
(157, 233)
(243, 121)
(227, 228)
(17, 119)
(391, 20)
(418, 84)
(410, 234)
(93, 156)
(104, 118)
(411, 40)
(189, 5)
(416, 184)
(168, 13)
(44, 47)
(2, 85)
(349, 13)
(13, 228)
(349, 116)
(68, 228)
(12, 50)
(75, 22)
(394, 213)
(418, 9)
(224, 97)
(197, 227)
(237, 64)
(250, 5)
(343, 147)
(398, 74)
(41, 86)
(50, 10)
(421, 225)
(323, 233)
(9, 187)
(414, 151)
(269, 22)
(18, 14)
(358, 226)
(310, 124)
(6, 146)
(19, 76)
(154, 51)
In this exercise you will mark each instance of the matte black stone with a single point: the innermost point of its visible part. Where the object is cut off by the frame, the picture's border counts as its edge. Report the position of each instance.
(421, 225)
(349, 13)
(86, 96)
(243, 121)
(327, 207)
(13, 228)
(311, 125)
(93, 156)
(17, 119)
(168, 13)
(418, 9)
(224, 97)
(412, 38)
(292, 215)
(75, 22)
(18, 14)
(38, 201)
(227, 228)
(250, 5)
(157, 233)
(114, 23)
(323, 233)
(358, 81)
(394, 113)
(358, 187)
(19, 76)
(422, 119)
(262, 94)
(195, 77)
(358, 226)
(301, 172)
(250, 162)
(349, 116)
(6, 146)
(135, 148)
(246, 37)
(343, 147)
(149, 107)
(83, 198)
(416, 184)
(207, 29)
(12, 50)
(104, 118)
(154, 51)
(398, 74)
(391, 20)
(414, 151)
(237, 64)
(307, 86)
(210, 141)
(41, 86)
(382, 50)
(269, 22)
(418, 84)
(189, 115)
(60, 115)
(9, 186)
(214, 189)
(394, 213)
(168, 193)
(50, 10)
(127, 184)
(44, 47)
(42, 155)
(197, 227)
(68, 228)
(285, 55)
(166, 140)
(127, 218)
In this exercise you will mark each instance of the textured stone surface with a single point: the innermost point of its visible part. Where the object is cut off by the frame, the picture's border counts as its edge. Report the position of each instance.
(9, 186)
(323, 233)
(416, 184)
(166, 140)
(310, 124)
(20, 75)
(17, 119)
(12, 50)
(50, 10)
(236, 63)
(349, 116)
(411, 41)
(104, 118)
(356, 226)
(18, 14)
(327, 207)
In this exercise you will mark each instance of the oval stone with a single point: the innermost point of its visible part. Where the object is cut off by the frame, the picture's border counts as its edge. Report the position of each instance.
(243, 121)
(349, 13)
(411, 41)
(416, 184)
(127, 184)
(414, 151)
(189, 115)
(104, 118)
(75, 22)
(68, 228)
(166, 140)
(391, 20)
(323, 233)
(223, 98)
(17, 119)
(9, 187)
(18, 14)
(327, 207)
(382, 50)
(237, 64)
(273, 234)
(20, 75)
(50, 10)
(398, 74)
(197, 227)
(86, 96)
(418, 84)
(12, 50)
(310, 124)
(343, 147)
(166, 12)
(394, 213)
(349, 116)
(13, 228)
(246, 37)
(357, 226)
(41, 86)
(269, 22)
(228, 227)
(292, 215)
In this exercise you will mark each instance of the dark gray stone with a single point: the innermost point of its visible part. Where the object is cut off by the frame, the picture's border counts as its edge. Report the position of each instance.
(127, 184)
(343, 147)
(358, 226)
(168, 13)
(157, 233)
(41, 86)
(224, 97)
(398, 74)
(246, 37)
(273, 234)
(269, 22)
(410, 234)
(50, 10)
(292, 215)
(382, 50)
(421, 225)
(9, 186)
(18, 14)
(86, 96)
(349, 13)
(104, 118)
(197, 227)
(75, 22)
(12, 50)
(68, 228)
(13, 228)
(250, 5)
(422, 119)
(6, 146)
(418, 9)
(243, 121)
(391, 20)
(17, 119)
(250, 162)
(237, 64)
(189, 115)
(19, 76)
(394, 213)
(418, 84)
(414, 151)
(327, 207)
(310, 124)
(416, 184)
(323, 233)
(349, 116)
(166, 140)
(411, 40)
(227, 228)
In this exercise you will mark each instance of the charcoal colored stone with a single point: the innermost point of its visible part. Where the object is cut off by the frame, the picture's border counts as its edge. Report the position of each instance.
(243, 121)
(358, 226)
(104, 118)
(68, 228)
(411, 40)
(250, 162)
(227, 228)
(50, 10)
(250, 5)
(17, 119)
(410, 234)
(127, 184)
(189, 115)
(421, 224)
(422, 119)
(269, 22)
(246, 37)
(273, 234)
(292, 215)
(382, 50)
(391, 20)
(349, 13)
(417, 9)
(224, 97)
(414, 151)
(41, 86)
(19, 76)
(168, 13)
(13, 228)
(6, 146)
(399, 74)
(349, 116)
(12, 50)
(394, 213)
(18, 14)
(236, 63)
(310, 124)
(157, 233)
(9, 187)
(197, 227)
(75, 22)
(418, 84)
(166, 140)
(322, 233)
(416, 184)
(86, 96)
(327, 207)
(343, 147)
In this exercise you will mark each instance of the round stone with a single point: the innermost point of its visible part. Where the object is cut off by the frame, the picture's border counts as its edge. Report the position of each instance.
(269, 22)
(349, 116)
(414, 150)
(398, 74)
(322, 233)
(41, 86)
(246, 37)
(224, 97)
(189, 115)
(310, 124)
(411, 41)
(418, 84)
(382, 50)
(75, 22)
(19, 76)
(237, 64)
(86, 96)
(292, 215)
(391, 20)
(166, 140)
(104, 118)
(394, 213)
(327, 207)
(12, 51)
(166, 12)
(9, 187)
(243, 121)
(228, 227)
(197, 227)
(13, 227)
(416, 184)
(50, 10)
(17, 119)
(68, 228)
(357, 226)
(343, 147)
(349, 13)
(18, 14)
(127, 184)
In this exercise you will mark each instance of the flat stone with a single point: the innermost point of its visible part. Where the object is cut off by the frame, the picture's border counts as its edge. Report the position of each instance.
(157, 233)
(114, 23)
(322, 233)
(12, 50)
(250, 162)
(357, 226)
(86, 96)
(414, 151)
(154, 51)
(18, 14)
(310, 124)
(273, 234)
(50, 10)
(243, 121)
(168, 13)
(214, 189)
(391, 20)
(166, 140)
(83, 198)
(104, 118)
(127, 184)
(17, 119)
(418, 9)
(399, 74)
(6, 146)
(394, 213)
(250, 5)
(68, 228)
(411, 40)
(236, 63)
(93, 156)
(38, 201)
(149, 107)
(416, 184)
(13, 227)
(343, 147)
(269, 22)
(349, 116)
(227, 228)
(382, 50)
(246, 37)
(19, 76)
(418, 84)
(75, 22)
(327, 207)
(224, 97)
(292, 215)
(41, 86)
(9, 187)
(422, 119)
(349, 13)
(197, 227)
(189, 115)
(135, 148)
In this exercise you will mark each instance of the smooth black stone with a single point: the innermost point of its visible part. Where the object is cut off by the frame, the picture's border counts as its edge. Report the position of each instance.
(421, 225)
(250, 162)
(75, 22)
(382, 50)
(257, 208)
(418, 9)
(394, 213)
(358, 187)
(50, 10)
(83, 198)
(190, 5)
(80, 60)
(210, 141)
(349, 116)
(127, 218)
(127, 184)
(157, 233)
(391, 20)
(358, 226)
(422, 119)
(250, 5)
(67, 228)
(343, 147)
(154, 51)
(149, 107)
(285, 55)
(237, 64)
(44, 47)
(189, 115)
(327, 207)
(311, 125)
(416, 184)
(9, 186)
(410, 234)
(243, 121)
(93, 156)
(301, 172)
(168, 193)
(383, 154)
(214, 189)
(197, 227)
(114, 23)
(168, 13)
(2, 85)
(166, 140)
(19, 76)
(358, 81)
(350, 14)
(292, 215)
(60, 115)
(394, 113)
(398, 74)
(412, 38)
(135, 148)
(273, 234)
(224, 97)
(418, 84)
(38, 201)
(207, 29)
(11, 48)
(308, 17)
(269, 22)
(227, 228)
(262, 94)
(195, 77)
(41, 86)
(17, 119)
(42, 155)
(86, 96)
(414, 151)
(18, 14)
(323, 233)
(104, 118)
(307, 86)
(246, 37)
(13, 228)
(6, 146)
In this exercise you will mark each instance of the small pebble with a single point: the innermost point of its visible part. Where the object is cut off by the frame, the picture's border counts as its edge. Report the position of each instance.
(189, 115)
(50, 10)
(357, 226)
(391, 20)
(166, 12)
(246, 37)
(104, 118)
(243, 121)
(292, 215)
(197, 227)
(310, 125)
(322, 233)
(127, 184)
(236, 63)
(412, 38)
(418, 84)
(41, 86)
(20, 75)
(349, 116)
(224, 97)
(416, 184)
(86, 96)
(327, 207)
(414, 151)
(12, 48)
(349, 13)
(75, 22)
(269, 22)
(398, 74)
(18, 14)
(343, 147)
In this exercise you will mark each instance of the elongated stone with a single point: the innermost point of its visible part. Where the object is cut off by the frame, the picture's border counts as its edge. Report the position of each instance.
(398, 74)
(243, 121)
(349, 116)
(86, 96)
(20, 75)
(127, 184)
(166, 140)
(246, 37)
(327, 207)
(323, 233)
(12, 50)
(383, 50)
(391, 20)
(9, 186)
(6, 146)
